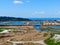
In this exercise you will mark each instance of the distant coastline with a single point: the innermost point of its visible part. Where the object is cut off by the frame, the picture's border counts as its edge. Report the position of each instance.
(5, 18)
(13, 19)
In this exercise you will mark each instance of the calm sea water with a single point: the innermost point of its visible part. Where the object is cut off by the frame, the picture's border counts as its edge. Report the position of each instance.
(44, 18)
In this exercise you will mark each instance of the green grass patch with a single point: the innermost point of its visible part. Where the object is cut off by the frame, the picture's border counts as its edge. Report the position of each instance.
(1, 30)
(51, 41)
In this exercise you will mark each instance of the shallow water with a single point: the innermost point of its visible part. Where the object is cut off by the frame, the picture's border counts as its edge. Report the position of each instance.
(22, 23)
(12, 23)
(37, 27)
(56, 27)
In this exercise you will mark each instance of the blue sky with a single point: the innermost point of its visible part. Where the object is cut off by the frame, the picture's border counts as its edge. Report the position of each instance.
(30, 8)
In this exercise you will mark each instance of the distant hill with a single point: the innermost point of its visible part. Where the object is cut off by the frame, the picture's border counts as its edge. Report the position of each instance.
(13, 19)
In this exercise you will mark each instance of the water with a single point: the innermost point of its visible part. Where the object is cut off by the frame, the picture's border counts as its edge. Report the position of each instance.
(46, 31)
(37, 23)
(56, 27)
(22, 23)
(12, 23)
(37, 27)
(44, 18)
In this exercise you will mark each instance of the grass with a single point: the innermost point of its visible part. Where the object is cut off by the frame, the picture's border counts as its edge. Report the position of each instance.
(7, 43)
(1, 30)
(51, 41)
(45, 34)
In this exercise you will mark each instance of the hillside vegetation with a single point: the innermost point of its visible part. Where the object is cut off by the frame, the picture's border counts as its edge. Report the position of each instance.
(13, 19)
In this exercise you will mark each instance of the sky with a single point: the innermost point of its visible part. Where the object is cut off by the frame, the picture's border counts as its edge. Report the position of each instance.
(30, 8)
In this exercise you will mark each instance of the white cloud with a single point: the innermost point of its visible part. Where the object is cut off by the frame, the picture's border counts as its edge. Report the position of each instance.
(39, 12)
(18, 2)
